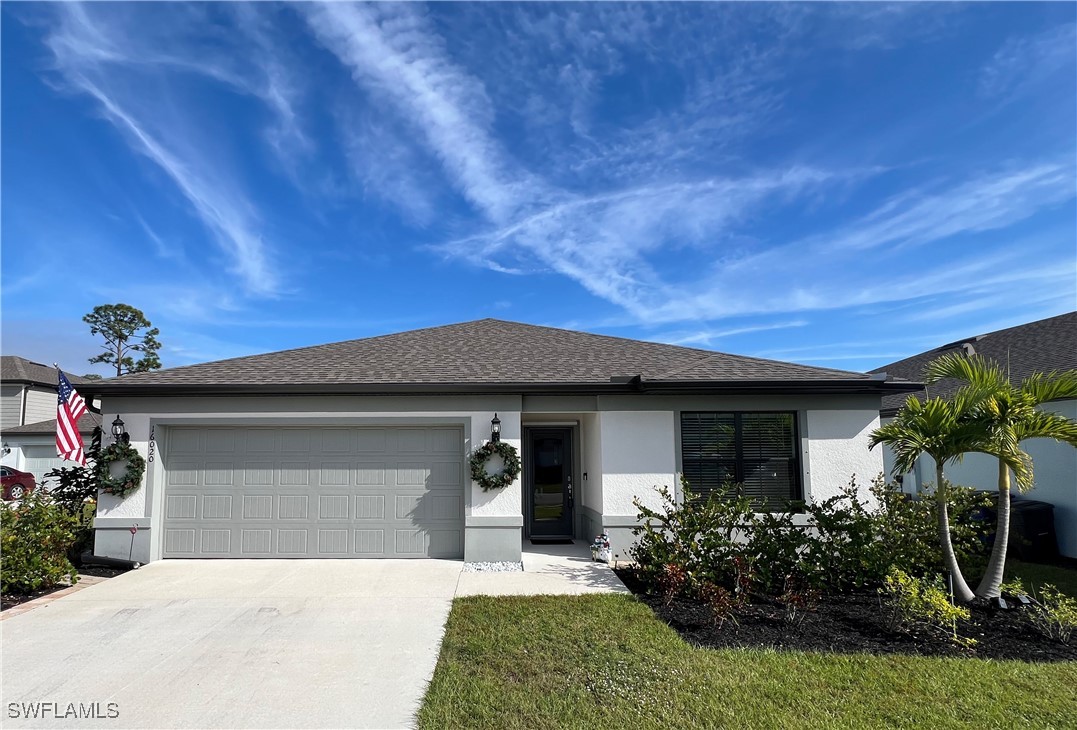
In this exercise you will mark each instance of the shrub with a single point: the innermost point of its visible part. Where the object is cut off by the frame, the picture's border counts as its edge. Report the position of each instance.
(1054, 614)
(75, 493)
(35, 535)
(907, 528)
(778, 546)
(844, 550)
(922, 602)
(842, 543)
(699, 538)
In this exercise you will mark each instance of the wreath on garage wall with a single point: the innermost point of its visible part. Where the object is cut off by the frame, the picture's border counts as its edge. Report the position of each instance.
(130, 480)
(501, 479)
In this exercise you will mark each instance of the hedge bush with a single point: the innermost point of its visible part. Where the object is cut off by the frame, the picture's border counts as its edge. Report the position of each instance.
(838, 544)
(35, 534)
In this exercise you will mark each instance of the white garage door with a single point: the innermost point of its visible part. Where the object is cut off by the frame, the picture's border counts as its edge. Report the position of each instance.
(260, 492)
(40, 460)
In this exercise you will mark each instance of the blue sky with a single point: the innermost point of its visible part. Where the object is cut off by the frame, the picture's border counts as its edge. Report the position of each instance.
(840, 185)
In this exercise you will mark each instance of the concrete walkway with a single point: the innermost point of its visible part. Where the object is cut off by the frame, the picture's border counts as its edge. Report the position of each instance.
(548, 569)
(256, 643)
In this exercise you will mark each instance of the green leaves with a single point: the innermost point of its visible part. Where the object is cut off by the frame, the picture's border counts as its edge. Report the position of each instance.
(35, 534)
(119, 326)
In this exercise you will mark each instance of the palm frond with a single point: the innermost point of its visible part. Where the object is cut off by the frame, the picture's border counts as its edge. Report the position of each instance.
(1046, 387)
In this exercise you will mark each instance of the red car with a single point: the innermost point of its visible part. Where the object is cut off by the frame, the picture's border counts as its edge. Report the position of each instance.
(16, 483)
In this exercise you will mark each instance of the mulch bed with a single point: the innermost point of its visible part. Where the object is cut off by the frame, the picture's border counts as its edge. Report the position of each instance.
(853, 623)
(10, 600)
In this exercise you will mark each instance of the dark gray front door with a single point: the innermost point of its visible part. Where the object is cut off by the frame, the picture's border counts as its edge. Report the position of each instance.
(548, 481)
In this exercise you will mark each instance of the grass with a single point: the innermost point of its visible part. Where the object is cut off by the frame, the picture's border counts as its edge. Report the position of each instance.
(1034, 575)
(605, 661)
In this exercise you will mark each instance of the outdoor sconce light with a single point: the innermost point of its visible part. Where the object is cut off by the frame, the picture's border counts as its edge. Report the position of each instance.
(495, 429)
(5, 450)
(119, 435)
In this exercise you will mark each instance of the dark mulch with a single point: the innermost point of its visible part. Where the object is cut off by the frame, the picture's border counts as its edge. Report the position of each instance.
(854, 623)
(9, 600)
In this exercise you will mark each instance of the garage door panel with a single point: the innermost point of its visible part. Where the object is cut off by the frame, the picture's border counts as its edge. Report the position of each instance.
(217, 507)
(256, 542)
(369, 474)
(369, 507)
(334, 507)
(223, 441)
(295, 473)
(323, 498)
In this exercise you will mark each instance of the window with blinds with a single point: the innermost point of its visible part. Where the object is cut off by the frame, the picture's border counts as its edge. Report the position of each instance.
(756, 451)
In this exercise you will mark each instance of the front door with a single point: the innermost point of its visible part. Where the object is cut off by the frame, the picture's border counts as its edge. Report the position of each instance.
(548, 482)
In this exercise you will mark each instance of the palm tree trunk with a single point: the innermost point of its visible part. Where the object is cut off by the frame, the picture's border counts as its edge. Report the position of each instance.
(996, 566)
(962, 592)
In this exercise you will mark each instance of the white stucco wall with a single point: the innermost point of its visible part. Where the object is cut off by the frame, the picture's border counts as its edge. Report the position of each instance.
(639, 452)
(838, 449)
(591, 461)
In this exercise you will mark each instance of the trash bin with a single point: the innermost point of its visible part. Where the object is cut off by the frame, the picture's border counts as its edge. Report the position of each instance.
(1032, 531)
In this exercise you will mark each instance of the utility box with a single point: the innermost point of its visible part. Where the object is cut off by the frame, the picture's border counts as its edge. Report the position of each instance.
(1032, 531)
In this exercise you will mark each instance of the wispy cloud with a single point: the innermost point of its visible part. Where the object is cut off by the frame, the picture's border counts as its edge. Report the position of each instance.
(1025, 62)
(94, 57)
(391, 51)
(709, 337)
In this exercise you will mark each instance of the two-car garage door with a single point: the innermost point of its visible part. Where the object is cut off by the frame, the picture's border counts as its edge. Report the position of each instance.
(314, 492)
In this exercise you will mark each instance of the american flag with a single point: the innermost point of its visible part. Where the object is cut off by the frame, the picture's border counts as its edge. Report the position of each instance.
(69, 408)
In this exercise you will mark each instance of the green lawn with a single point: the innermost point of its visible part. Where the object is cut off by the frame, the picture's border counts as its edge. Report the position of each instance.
(604, 661)
(1035, 576)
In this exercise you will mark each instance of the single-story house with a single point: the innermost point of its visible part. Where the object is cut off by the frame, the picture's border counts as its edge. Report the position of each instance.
(360, 449)
(28, 415)
(1042, 346)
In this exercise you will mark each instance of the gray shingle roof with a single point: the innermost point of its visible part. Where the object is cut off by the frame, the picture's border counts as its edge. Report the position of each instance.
(486, 351)
(1041, 346)
(15, 369)
(86, 426)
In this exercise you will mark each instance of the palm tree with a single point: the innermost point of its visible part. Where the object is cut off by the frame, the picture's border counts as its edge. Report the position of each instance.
(945, 431)
(1010, 415)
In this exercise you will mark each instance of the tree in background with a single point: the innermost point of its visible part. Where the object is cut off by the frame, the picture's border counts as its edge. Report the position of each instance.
(126, 331)
(1009, 414)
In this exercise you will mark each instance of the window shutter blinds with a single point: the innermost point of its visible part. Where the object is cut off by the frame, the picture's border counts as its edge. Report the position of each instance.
(757, 450)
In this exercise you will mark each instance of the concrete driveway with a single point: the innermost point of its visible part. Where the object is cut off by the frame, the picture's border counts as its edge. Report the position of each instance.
(234, 644)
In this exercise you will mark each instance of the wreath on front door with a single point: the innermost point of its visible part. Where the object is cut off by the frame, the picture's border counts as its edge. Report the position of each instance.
(130, 480)
(501, 479)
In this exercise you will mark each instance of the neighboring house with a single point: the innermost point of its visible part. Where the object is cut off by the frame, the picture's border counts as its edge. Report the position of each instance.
(33, 446)
(1042, 346)
(28, 414)
(27, 391)
(360, 448)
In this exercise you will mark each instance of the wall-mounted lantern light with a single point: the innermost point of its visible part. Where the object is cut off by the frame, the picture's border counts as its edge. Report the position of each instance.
(5, 450)
(119, 435)
(495, 429)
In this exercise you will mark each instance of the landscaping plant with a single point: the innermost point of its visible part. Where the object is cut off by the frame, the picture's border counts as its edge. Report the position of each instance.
(1054, 614)
(945, 430)
(699, 537)
(75, 492)
(919, 602)
(1010, 415)
(35, 535)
